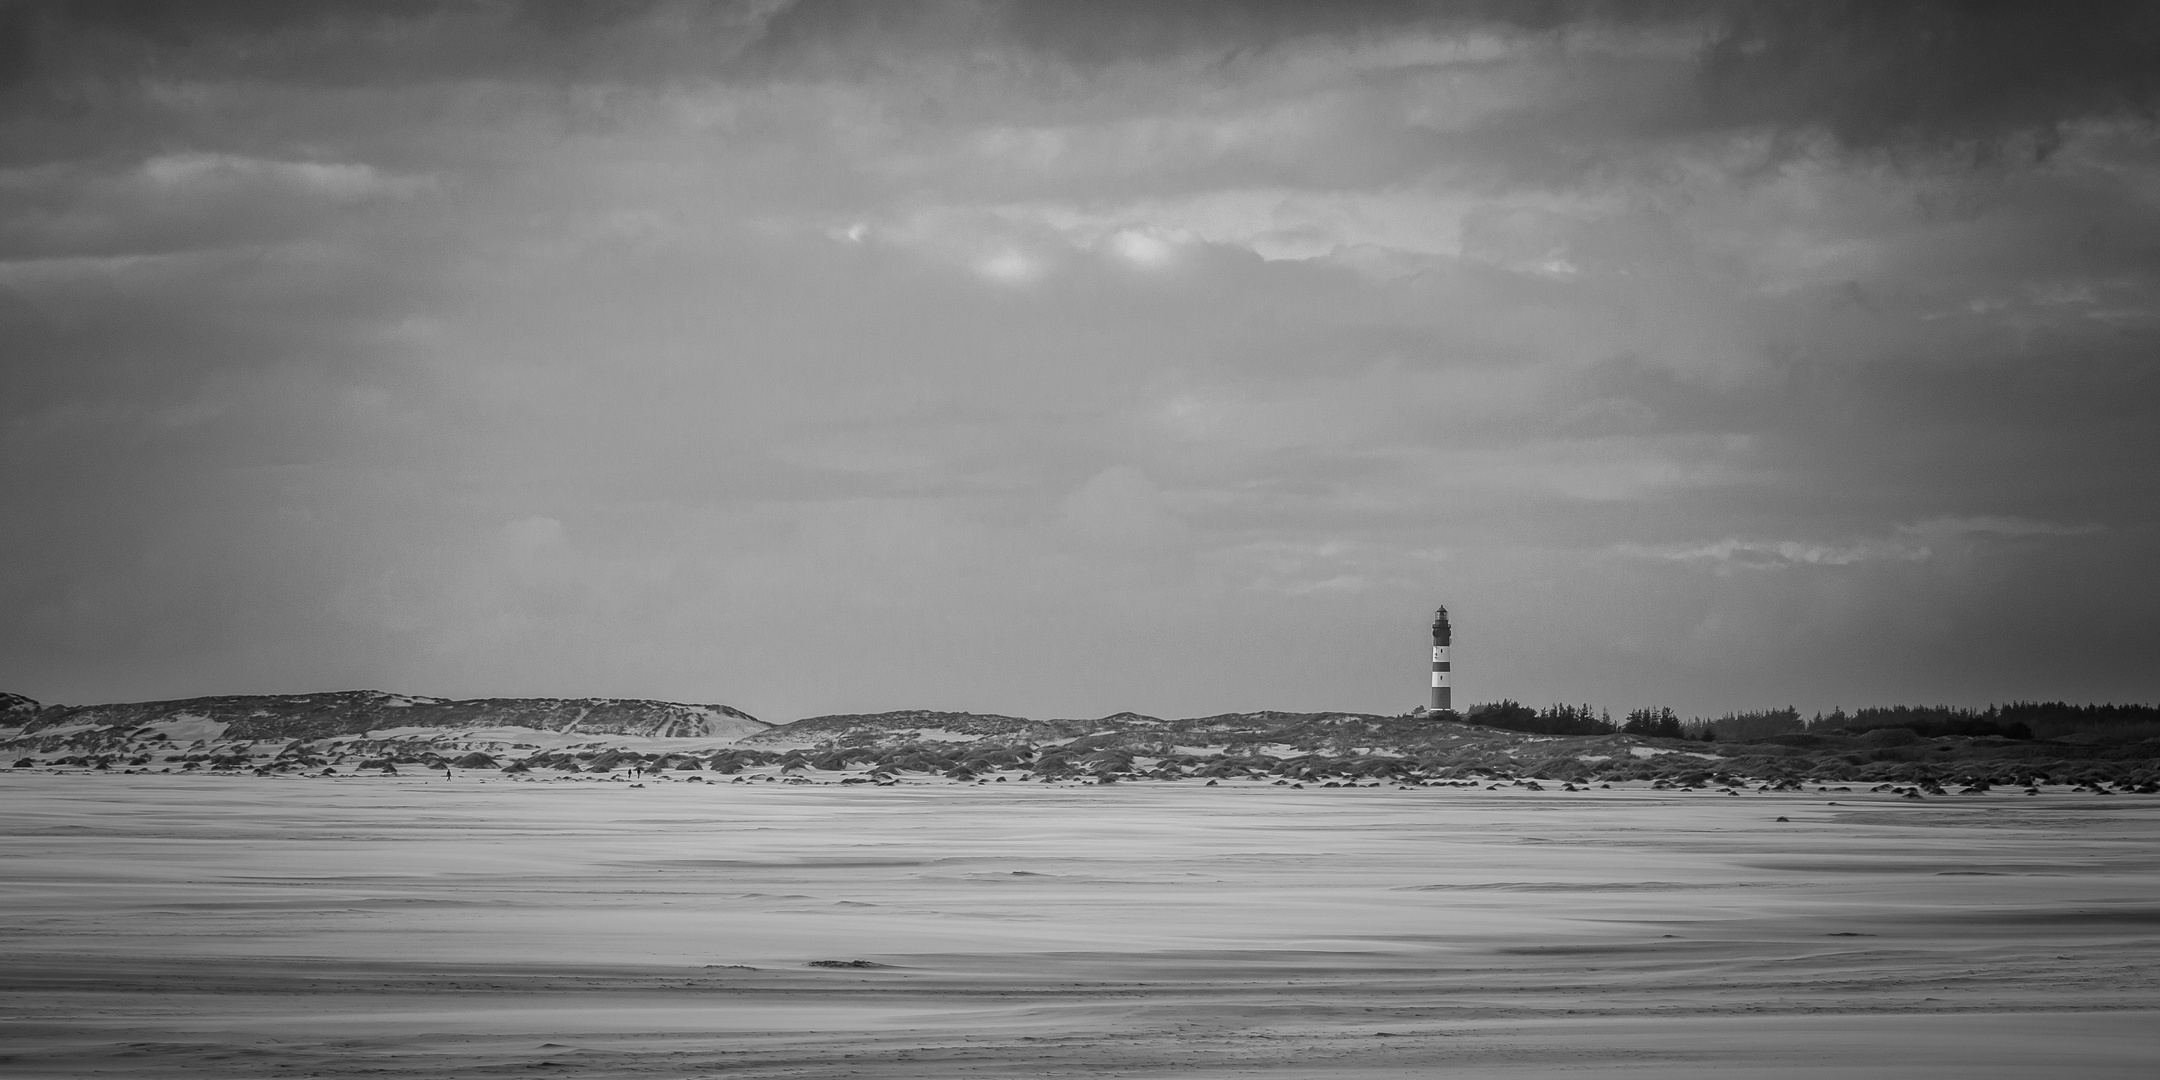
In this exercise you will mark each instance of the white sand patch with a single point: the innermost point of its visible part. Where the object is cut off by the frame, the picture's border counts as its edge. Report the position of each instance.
(186, 728)
(726, 725)
(933, 734)
(885, 736)
(784, 745)
(533, 740)
(66, 729)
(1660, 751)
(409, 732)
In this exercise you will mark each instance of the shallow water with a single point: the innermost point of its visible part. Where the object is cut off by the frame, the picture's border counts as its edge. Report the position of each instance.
(242, 926)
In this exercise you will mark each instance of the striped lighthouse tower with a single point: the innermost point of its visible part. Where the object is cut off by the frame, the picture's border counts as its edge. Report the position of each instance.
(1443, 676)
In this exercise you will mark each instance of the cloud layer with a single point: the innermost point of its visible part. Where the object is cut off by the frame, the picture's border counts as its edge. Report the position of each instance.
(1057, 359)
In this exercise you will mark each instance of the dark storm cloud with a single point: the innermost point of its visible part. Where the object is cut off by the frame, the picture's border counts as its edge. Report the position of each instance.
(1875, 74)
(328, 42)
(1871, 73)
(1085, 355)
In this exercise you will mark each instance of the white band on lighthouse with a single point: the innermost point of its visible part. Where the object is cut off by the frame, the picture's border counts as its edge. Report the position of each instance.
(1439, 678)
(1439, 654)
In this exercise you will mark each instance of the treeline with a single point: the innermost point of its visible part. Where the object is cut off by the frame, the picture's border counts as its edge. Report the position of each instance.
(2018, 720)
(1512, 715)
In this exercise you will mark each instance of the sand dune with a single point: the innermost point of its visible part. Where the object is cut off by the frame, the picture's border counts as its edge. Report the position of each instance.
(235, 926)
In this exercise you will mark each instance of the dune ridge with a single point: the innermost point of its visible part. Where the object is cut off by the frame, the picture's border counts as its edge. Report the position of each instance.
(340, 734)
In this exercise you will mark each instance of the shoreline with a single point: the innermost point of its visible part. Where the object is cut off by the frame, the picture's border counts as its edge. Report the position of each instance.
(1828, 792)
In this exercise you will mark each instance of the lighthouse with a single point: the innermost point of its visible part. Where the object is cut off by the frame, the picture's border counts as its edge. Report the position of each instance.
(1442, 674)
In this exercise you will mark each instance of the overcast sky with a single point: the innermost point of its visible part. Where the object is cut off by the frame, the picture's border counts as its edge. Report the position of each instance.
(1061, 358)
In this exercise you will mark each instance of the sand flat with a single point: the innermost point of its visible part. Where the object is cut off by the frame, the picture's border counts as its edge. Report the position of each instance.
(242, 926)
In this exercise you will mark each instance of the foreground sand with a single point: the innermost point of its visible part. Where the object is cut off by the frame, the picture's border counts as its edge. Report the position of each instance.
(235, 926)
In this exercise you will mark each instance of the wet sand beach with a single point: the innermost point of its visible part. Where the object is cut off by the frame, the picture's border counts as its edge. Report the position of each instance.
(160, 926)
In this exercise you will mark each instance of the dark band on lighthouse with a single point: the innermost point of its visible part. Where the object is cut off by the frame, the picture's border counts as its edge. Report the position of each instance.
(1442, 669)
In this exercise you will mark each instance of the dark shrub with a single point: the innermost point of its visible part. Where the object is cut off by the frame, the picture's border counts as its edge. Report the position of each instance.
(1895, 736)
